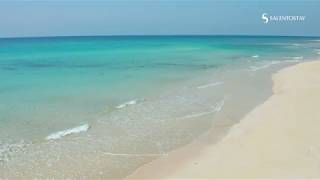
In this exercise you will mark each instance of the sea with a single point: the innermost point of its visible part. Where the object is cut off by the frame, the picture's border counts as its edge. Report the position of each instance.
(102, 106)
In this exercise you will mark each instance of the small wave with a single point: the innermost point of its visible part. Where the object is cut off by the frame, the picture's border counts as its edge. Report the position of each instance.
(294, 60)
(135, 155)
(291, 61)
(126, 104)
(255, 56)
(256, 68)
(196, 115)
(282, 44)
(315, 40)
(210, 85)
(297, 57)
(216, 108)
(60, 134)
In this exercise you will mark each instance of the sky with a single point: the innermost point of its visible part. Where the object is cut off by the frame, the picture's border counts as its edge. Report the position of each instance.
(33, 18)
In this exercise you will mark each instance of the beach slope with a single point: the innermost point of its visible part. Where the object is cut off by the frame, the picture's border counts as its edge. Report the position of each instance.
(278, 139)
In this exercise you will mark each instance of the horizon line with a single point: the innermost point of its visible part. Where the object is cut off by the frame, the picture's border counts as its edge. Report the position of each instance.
(155, 35)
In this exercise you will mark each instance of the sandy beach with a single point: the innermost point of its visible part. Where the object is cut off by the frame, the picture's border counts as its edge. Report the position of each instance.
(278, 139)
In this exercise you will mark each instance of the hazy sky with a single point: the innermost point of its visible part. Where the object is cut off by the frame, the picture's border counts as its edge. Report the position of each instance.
(154, 17)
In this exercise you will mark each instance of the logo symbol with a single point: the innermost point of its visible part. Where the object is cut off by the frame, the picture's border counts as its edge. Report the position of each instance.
(265, 18)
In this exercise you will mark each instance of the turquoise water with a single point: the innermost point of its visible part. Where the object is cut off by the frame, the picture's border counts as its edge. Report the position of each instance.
(48, 85)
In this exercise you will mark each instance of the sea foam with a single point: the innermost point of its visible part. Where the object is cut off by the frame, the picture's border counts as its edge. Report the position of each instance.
(216, 108)
(126, 104)
(255, 56)
(210, 85)
(297, 58)
(315, 40)
(75, 130)
(256, 68)
(294, 60)
(8, 150)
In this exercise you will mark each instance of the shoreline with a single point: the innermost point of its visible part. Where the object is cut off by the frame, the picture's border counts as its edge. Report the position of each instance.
(249, 150)
(217, 126)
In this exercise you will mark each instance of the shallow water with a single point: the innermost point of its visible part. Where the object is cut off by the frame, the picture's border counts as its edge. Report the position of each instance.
(115, 103)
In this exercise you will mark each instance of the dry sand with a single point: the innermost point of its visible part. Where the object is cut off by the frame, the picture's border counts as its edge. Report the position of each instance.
(278, 139)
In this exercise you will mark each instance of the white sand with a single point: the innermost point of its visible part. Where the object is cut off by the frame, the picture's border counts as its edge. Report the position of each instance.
(278, 139)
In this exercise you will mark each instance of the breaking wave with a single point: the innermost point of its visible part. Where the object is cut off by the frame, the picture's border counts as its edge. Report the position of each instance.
(126, 104)
(75, 130)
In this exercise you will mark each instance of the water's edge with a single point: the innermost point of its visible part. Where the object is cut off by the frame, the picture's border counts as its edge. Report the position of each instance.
(212, 136)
